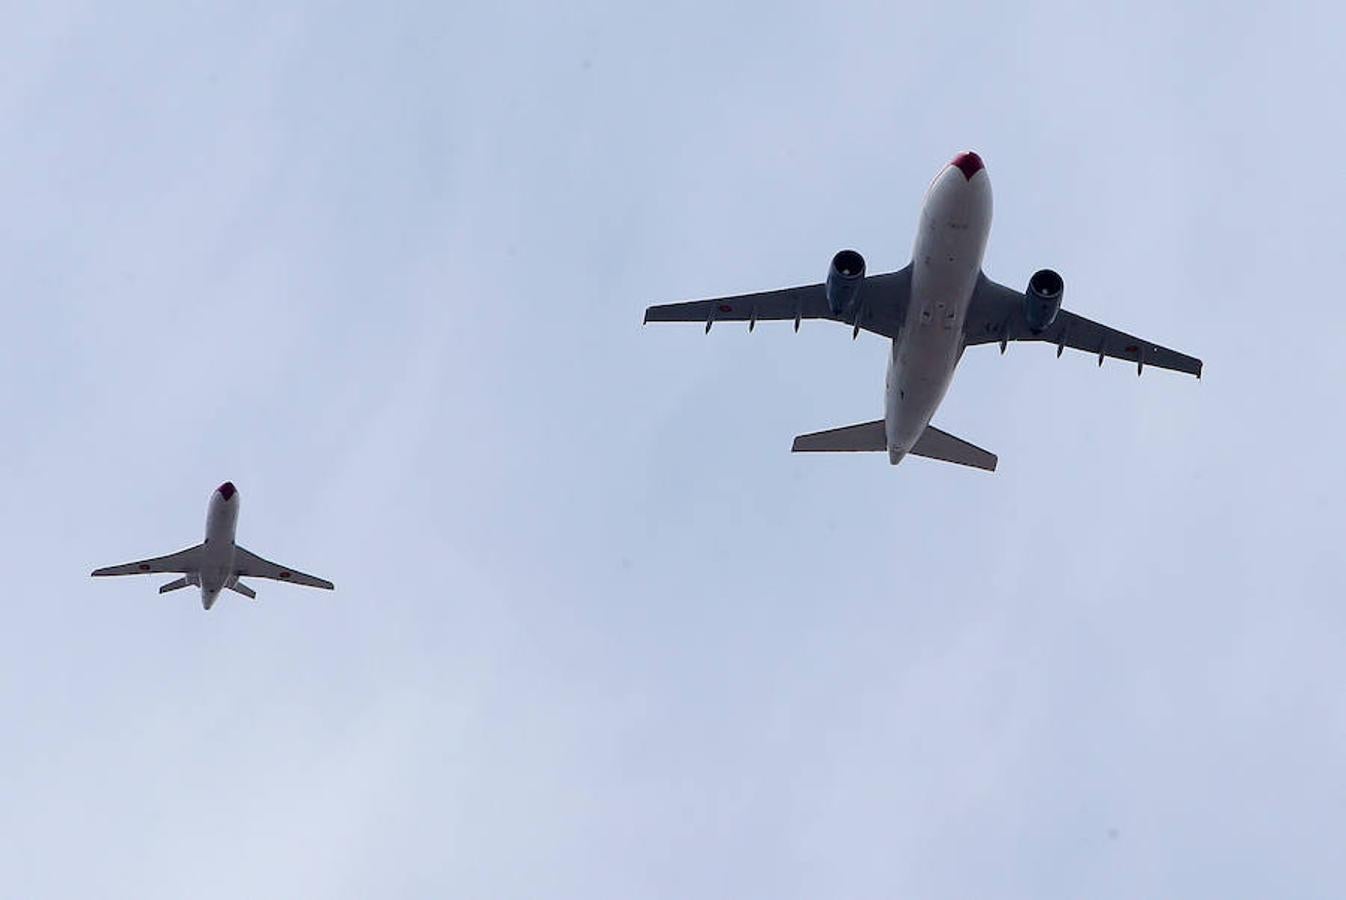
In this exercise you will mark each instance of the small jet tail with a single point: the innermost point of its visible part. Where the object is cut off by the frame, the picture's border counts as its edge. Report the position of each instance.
(174, 585)
(870, 437)
(239, 587)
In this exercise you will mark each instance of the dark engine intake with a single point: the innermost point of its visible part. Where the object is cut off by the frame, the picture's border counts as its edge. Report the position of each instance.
(1042, 300)
(844, 278)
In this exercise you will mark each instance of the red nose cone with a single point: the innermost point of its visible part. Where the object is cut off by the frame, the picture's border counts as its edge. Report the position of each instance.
(227, 490)
(968, 163)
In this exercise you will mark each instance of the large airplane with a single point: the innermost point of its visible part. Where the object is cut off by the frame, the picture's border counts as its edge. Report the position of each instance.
(218, 563)
(934, 308)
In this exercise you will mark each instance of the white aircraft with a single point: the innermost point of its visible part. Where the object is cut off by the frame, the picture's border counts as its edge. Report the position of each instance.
(218, 563)
(932, 310)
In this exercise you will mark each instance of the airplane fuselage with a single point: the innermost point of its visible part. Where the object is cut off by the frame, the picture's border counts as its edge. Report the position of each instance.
(217, 563)
(946, 263)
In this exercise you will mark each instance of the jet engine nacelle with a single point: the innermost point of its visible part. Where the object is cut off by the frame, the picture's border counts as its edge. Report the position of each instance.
(844, 278)
(1042, 300)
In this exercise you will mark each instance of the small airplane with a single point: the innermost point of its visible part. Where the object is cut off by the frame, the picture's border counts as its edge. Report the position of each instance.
(934, 308)
(218, 563)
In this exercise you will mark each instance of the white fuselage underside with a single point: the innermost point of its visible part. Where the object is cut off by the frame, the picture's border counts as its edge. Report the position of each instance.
(946, 262)
(217, 559)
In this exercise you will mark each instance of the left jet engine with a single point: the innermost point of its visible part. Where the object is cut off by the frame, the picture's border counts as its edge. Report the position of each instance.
(1042, 300)
(844, 278)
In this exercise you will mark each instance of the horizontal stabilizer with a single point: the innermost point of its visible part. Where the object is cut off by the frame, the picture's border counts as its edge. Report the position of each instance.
(865, 437)
(870, 437)
(936, 444)
(239, 587)
(174, 586)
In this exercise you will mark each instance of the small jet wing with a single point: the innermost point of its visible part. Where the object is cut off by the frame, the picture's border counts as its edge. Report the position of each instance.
(881, 306)
(996, 316)
(184, 562)
(249, 564)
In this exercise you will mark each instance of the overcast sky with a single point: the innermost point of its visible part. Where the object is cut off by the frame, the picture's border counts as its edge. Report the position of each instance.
(596, 633)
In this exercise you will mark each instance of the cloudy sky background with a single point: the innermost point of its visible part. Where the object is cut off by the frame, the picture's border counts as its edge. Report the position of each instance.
(597, 633)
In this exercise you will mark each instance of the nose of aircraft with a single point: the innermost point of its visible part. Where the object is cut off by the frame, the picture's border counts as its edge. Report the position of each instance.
(968, 163)
(227, 490)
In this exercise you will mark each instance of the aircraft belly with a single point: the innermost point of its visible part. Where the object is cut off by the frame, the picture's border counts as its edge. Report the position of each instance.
(216, 570)
(921, 377)
(217, 563)
(927, 351)
(946, 263)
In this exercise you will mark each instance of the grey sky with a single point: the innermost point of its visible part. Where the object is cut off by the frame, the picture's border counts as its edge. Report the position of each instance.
(597, 633)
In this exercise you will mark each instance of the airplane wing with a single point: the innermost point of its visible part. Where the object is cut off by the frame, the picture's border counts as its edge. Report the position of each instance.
(996, 316)
(882, 305)
(249, 564)
(184, 562)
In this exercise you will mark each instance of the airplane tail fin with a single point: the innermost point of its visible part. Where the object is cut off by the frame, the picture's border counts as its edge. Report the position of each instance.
(870, 437)
(173, 586)
(239, 587)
